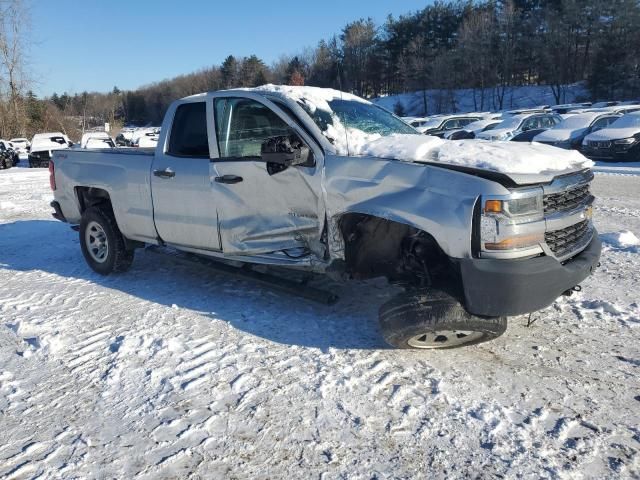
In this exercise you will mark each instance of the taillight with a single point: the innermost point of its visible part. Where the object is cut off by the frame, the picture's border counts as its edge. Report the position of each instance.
(52, 175)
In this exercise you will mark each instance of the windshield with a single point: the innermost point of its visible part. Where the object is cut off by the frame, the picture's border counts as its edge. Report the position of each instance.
(366, 117)
(626, 121)
(509, 124)
(433, 123)
(575, 122)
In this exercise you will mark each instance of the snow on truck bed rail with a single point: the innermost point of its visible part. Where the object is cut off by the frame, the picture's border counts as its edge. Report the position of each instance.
(504, 157)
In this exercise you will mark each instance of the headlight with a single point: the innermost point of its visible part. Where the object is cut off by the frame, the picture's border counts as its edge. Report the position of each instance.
(625, 141)
(512, 223)
(530, 206)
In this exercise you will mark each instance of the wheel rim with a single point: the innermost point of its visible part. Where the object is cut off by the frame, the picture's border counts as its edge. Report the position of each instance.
(96, 240)
(444, 338)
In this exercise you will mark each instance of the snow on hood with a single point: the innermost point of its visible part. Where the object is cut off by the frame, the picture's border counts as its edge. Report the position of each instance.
(558, 134)
(613, 133)
(504, 157)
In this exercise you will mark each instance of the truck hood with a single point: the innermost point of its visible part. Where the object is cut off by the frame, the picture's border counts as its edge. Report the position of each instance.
(613, 133)
(521, 163)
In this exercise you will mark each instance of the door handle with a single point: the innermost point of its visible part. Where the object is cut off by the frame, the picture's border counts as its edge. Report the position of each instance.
(228, 179)
(166, 173)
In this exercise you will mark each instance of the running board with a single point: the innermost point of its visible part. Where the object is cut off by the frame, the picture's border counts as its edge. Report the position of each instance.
(247, 272)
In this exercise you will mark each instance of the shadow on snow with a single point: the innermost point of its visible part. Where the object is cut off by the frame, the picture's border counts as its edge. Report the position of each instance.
(52, 247)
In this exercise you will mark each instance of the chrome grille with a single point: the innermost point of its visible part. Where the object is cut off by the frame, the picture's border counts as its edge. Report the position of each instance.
(599, 143)
(566, 201)
(565, 241)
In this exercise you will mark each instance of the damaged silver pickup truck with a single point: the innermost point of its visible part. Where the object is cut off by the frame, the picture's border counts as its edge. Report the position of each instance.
(323, 181)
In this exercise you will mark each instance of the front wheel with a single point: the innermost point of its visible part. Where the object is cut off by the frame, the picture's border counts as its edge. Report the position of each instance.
(432, 319)
(102, 244)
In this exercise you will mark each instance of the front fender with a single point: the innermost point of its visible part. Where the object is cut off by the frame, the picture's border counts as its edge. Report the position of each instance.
(432, 199)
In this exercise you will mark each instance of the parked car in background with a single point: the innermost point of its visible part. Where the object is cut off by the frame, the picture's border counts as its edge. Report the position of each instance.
(569, 107)
(6, 158)
(607, 103)
(522, 111)
(527, 136)
(43, 144)
(619, 142)
(516, 124)
(94, 140)
(9, 151)
(141, 134)
(148, 140)
(629, 108)
(570, 133)
(471, 130)
(123, 139)
(22, 145)
(438, 126)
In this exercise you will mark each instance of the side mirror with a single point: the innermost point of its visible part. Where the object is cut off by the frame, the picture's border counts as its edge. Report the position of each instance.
(284, 151)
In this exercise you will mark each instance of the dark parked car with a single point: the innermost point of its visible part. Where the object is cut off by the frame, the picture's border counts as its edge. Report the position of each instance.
(437, 127)
(9, 155)
(570, 133)
(620, 142)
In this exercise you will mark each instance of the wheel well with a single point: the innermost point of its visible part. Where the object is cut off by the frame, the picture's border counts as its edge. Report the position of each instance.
(377, 247)
(92, 197)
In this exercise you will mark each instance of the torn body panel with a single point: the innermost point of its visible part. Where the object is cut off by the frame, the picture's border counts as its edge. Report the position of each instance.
(434, 200)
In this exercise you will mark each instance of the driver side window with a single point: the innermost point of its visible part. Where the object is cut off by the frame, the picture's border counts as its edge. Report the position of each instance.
(242, 125)
(529, 124)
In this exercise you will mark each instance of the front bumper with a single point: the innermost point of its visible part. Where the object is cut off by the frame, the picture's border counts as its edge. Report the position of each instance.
(513, 287)
(612, 154)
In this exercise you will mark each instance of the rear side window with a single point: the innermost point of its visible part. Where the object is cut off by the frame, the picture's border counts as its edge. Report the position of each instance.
(189, 131)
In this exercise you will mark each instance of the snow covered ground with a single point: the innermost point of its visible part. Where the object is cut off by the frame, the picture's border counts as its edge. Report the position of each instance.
(173, 371)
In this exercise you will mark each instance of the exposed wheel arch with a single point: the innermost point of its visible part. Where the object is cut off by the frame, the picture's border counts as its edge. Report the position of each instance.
(378, 247)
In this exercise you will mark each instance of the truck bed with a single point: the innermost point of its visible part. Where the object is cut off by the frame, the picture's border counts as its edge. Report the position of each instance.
(124, 173)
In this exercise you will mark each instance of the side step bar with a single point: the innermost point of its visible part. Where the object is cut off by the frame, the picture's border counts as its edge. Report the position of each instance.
(246, 272)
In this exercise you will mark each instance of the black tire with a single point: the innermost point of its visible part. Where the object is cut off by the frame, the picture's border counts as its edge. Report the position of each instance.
(433, 319)
(117, 257)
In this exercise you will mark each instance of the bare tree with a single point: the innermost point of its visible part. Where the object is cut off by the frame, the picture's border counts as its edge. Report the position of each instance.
(14, 21)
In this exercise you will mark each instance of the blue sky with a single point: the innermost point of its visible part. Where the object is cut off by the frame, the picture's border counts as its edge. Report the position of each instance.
(93, 45)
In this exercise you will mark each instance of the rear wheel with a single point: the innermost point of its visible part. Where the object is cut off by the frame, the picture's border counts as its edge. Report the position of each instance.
(102, 244)
(432, 319)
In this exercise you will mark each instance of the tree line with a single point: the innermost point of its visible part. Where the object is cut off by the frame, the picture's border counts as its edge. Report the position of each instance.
(488, 46)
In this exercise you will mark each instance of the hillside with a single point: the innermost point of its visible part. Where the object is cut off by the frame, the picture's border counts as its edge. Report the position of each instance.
(452, 101)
